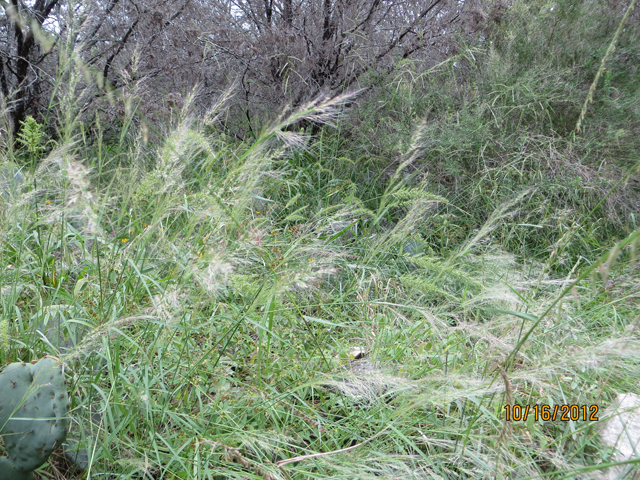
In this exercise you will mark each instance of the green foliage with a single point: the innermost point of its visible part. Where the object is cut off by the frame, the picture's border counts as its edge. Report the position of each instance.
(499, 118)
(31, 135)
(210, 293)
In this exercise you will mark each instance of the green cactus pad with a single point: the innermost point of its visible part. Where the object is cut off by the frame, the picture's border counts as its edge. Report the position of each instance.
(34, 415)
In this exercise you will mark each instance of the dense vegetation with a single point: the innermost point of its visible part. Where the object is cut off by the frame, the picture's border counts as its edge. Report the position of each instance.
(213, 295)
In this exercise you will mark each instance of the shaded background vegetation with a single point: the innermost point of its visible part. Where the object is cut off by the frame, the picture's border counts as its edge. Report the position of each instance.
(498, 87)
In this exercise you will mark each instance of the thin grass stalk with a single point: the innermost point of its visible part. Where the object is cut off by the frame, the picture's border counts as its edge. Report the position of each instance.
(633, 237)
(603, 63)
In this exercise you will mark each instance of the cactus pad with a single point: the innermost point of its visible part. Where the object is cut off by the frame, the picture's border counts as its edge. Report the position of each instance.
(34, 415)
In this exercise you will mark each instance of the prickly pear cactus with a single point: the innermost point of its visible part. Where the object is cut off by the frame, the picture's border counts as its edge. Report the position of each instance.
(34, 415)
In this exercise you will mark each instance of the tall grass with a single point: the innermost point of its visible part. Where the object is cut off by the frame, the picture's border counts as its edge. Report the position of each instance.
(500, 118)
(213, 299)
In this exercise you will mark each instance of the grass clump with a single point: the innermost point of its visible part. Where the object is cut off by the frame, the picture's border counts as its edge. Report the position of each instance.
(294, 307)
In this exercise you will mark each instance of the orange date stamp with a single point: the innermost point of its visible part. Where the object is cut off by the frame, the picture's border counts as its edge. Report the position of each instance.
(563, 413)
